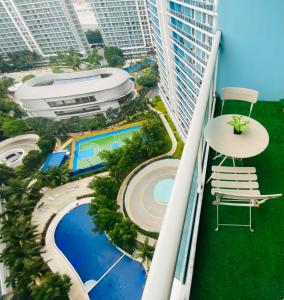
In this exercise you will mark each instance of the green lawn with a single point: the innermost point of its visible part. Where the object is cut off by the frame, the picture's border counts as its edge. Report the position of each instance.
(159, 105)
(235, 264)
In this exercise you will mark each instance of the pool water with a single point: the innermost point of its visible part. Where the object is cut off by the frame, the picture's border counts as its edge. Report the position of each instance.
(87, 150)
(163, 189)
(92, 255)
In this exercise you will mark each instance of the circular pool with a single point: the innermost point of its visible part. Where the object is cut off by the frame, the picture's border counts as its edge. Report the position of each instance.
(163, 189)
(13, 150)
(12, 158)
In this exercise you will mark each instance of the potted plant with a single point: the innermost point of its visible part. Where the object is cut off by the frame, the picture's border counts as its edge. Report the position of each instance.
(239, 124)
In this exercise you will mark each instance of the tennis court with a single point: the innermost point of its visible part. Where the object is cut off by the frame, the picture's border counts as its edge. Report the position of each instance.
(86, 152)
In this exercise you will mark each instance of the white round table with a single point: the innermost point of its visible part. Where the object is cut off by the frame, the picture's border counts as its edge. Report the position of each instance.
(220, 136)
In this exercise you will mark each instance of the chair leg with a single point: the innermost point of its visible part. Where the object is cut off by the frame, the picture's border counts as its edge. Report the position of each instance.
(250, 220)
(217, 208)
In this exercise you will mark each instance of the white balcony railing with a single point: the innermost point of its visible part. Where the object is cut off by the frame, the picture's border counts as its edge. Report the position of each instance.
(171, 270)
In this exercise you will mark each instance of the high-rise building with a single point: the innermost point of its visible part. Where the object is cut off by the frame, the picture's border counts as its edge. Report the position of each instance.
(42, 26)
(183, 31)
(182, 34)
(124, 24)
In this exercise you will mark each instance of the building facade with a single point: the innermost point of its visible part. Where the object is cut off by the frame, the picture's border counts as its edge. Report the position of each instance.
(124, 24)
(60, 96)
(44, 27)
(183, 32)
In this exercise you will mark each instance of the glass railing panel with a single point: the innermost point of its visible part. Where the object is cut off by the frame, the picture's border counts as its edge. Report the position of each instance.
(184, 247)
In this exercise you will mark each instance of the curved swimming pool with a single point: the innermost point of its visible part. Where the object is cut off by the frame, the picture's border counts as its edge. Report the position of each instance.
(96, 260)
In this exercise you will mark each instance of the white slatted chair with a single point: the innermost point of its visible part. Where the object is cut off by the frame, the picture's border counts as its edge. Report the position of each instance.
(237, 186)
(240, 94)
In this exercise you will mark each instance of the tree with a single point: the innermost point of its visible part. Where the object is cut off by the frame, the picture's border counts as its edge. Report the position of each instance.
(15, 188)
(13, 127)
(6, 174)
(152, 140)
(94, 58)
(106, 186)
(51, 287)
(94, 37)
(31, 162)
(148, 80)
(124, 234)
(23, 60)
(105, 220)
(70, 58)
(145, 252)
(94, 123)
(5, 83)
(46, 144)
(56, 69)
(54, 177)
(28, 77)
(5, 65)
(114, 56)
(10, 108)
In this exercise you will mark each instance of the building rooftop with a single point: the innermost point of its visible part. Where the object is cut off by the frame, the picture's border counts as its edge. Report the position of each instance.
(66, 84)
(235, 263)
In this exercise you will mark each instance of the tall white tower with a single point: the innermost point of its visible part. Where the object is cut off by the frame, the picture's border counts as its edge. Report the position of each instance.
(124, 24)
(42, 26)
(182, 32)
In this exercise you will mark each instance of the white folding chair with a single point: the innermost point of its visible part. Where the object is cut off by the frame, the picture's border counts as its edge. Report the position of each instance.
(240, 94)
(237, 186)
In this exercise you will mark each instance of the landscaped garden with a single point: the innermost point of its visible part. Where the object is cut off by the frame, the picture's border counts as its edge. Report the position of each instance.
(30, 276)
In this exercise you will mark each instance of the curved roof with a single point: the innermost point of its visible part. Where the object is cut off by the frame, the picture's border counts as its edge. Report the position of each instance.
(69, 84)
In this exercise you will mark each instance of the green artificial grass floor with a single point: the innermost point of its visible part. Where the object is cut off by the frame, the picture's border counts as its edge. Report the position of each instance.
(233, 263)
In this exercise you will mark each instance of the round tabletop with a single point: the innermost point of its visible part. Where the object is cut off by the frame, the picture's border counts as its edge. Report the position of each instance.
(220, 136)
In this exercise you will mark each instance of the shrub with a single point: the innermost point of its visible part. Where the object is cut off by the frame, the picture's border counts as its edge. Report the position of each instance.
(27, 77)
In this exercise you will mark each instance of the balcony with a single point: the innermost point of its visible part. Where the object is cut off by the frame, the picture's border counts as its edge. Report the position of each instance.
(191, 260)
(235, 263)
(201, 4)
(188, 50)
(189, 36)
(191, 21)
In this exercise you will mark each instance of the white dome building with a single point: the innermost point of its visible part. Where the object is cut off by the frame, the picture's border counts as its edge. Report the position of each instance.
(65, 95)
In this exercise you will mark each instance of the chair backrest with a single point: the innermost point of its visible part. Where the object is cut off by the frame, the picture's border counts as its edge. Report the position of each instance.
(247, 200)
(240, 94)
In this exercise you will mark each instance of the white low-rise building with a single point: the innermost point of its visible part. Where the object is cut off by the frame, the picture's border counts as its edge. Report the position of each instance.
(60, 96)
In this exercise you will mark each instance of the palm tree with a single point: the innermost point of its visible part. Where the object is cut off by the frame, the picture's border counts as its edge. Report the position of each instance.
(15, 189)
(54, 177)
(145, 252)
(51, 287)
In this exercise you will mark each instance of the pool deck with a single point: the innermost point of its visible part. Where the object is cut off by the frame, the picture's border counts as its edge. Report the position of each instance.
(140, 203)
(59, 201)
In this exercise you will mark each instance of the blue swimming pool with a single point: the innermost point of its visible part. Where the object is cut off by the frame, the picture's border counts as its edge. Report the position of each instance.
(92, 255)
